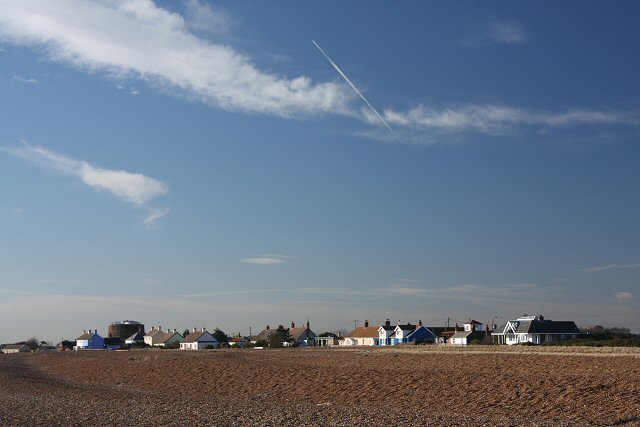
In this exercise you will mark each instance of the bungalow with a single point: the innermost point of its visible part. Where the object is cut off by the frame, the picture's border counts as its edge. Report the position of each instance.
(328, 339)
(362, 335)
(15, 348)
(264, 335)
(152, 337)
(535, 330)
(170, 339)
(199, 340)
(473, 330)
(89, 340)
(303, 336)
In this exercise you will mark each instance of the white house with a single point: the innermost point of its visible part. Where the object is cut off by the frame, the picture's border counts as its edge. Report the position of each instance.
(362, 335)
(535, 330)
(386, 333)
(199, 340)
(473, 330)
(15, 348)
(153, 337)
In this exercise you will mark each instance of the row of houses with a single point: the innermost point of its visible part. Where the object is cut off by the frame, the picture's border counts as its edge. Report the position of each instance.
(525, 329)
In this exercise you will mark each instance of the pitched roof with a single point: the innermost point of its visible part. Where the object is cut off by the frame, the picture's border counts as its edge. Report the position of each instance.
(200, 336)
(463, 334)
(166, 337)
(86, 336)
(138, 336)
(298, 332)
(265, 334)
(407, 327)
(536, 326)
(14, 346)
(364, 332)
(154, 332)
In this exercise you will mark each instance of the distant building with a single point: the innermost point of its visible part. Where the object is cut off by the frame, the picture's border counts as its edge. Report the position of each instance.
(123, 329)
(472, 330)
(535, 330)
(362, 335)
(89, 340)
(199, 340)
(15, 348)
(154, 336)
(303, 336)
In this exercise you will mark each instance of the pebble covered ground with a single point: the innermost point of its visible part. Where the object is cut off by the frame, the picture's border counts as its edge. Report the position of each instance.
(321, 387)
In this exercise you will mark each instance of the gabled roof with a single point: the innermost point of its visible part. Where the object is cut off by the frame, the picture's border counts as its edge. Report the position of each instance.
(265, 334)
(200, 336)
(167, 336)
(420, 329)
(154, 332)
(408, 327)
(86, 336)
(536, 326)
(138, 336)
(463, 334)
(14, 346)
(364, 332)
(296, 333)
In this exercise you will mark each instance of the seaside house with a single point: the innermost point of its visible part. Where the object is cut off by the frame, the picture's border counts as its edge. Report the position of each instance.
(89, 340)
(303, 335)
(199, 340)
(473, 330)
(264, 335)
(362, 335)
(421, 334)
(535, 330)
(386, 333)
(15, 348)
(152, 338)
(170, 339)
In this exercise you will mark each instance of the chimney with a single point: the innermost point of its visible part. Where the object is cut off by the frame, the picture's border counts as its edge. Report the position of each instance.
(159, 327)
(84, 332)
(195, 329)
(387, 322)
(307, 323)
(366, 323)
(419, 323)
(267, 327)
(456, 328)
(203, 329)
(293, 325)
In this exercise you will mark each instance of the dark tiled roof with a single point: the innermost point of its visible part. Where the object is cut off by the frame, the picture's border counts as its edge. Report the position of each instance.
(535, 326)
(407, 327)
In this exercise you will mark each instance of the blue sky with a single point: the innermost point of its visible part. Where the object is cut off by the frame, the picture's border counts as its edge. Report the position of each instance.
(189, 163)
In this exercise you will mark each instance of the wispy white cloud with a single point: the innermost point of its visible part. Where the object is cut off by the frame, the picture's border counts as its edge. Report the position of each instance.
(137, 38)
(201, 17)
(267, 259)
(21, 79)
(131, 187)
(155, 214)
(608, 267)
(495, 32)
(623, 295)
(425, 124)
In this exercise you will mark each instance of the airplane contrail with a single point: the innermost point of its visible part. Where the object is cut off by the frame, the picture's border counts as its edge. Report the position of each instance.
(352, 85)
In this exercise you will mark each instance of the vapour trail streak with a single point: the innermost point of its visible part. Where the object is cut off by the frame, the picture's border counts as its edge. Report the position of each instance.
(352, 86)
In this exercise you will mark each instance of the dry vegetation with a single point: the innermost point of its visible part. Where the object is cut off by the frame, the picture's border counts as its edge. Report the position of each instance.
(407, 386)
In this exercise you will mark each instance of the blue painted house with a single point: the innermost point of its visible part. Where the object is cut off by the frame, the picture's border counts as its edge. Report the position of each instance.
(89, 340)
(414, 334)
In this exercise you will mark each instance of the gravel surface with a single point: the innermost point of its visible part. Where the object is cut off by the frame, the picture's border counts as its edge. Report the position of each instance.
(319, 387)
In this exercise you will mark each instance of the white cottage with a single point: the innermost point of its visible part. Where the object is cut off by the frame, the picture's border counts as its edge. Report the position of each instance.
(535, 330)
(199, 340)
